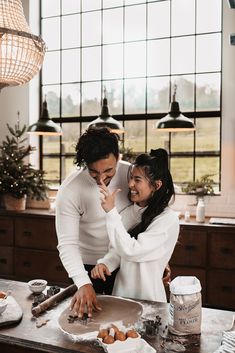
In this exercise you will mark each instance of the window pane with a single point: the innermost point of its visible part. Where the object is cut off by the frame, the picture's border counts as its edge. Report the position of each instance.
(71, 133)
(71, 100)
(70, 6)
(208, 92)
(91, 69)
(68, 166)
(135, 22)
(113, 61)
(52, 168)
(212, 60)
(71, 31)
(158, 57)
(91, 28)
(157, 28)
(183, 17)
(114, 91)
(182, 141)
(158, 94)
(50, 8)
(51, 144)
(207, 127)
(207, 165)
(134, 92)
(185, 91)
(212, 7)
(155, 138)
(182, 59)
(181, 169)
(51, 68)
(91, 98)
(71, 59)
(51, 32)
(134, 135)
(113, 25)
(52, 94)
(135, 59)
(130, 2)
(91, 5)
(112, 3)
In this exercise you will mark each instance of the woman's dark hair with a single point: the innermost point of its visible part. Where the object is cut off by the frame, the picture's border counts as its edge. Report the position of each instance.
(95, 144)
(155, 167)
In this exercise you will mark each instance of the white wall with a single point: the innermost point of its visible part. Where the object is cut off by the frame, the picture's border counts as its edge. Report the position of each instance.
(25, 100)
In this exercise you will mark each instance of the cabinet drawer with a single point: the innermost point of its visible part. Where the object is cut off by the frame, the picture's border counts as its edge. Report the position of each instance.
(31, 264)
(190, 249)
(221, 289)
(6, 231)
(222, 250)
(6, 260)
(191, 271)
(35, 233)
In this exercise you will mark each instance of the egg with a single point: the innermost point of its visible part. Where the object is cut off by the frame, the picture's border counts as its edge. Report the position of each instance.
(132, 334)
(103, 333)
(108, 339)
(115, 328)
(120, 336)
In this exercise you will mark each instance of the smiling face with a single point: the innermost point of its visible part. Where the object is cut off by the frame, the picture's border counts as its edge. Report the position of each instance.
(141, 189)
(103, 169)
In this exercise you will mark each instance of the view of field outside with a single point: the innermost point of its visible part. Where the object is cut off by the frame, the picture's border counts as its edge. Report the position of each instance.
(136, 50)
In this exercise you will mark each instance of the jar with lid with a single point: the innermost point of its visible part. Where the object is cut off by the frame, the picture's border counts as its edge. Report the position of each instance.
(200, 211)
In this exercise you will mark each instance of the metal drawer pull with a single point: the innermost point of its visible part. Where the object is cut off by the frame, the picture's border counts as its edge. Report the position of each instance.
(27, 263)
(226, 251)
(26, 233)
(190, 247)
(3, 261)
(228, 289)
(3, 231)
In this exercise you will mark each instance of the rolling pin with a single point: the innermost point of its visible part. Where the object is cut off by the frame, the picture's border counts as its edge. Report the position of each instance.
(54, 299)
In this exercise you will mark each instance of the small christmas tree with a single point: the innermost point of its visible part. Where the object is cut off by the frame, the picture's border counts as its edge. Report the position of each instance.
(17, 177)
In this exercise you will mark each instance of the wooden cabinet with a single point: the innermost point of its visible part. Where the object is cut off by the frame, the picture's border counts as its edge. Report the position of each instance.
(208, 252)
(28, 247)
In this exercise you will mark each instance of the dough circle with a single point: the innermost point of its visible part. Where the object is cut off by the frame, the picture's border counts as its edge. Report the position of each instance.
(113, 309)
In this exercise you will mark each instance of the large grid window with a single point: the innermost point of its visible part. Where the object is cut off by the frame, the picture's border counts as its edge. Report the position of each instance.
(137, 50)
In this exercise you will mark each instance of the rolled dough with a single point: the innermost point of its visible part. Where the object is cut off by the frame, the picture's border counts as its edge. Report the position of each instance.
(114, 309)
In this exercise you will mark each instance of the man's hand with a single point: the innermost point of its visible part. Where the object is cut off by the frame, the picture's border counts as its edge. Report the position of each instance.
(167, 276)
(99, 271)
(85, 297)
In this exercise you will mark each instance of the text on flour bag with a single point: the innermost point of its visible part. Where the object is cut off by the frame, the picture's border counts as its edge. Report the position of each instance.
(185, 306)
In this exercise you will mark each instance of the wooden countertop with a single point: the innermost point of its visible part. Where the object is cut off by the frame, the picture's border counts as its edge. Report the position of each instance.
(26, 337)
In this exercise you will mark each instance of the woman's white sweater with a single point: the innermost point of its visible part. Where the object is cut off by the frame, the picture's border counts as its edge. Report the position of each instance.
(142, 261)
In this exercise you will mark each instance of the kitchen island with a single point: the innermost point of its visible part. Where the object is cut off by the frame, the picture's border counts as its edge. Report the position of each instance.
(25, 337)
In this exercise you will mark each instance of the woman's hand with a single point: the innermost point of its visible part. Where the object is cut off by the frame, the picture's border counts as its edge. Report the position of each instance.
(99, 271)
(107, 198)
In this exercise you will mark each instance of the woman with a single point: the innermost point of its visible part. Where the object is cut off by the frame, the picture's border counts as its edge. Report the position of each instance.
(144, 251)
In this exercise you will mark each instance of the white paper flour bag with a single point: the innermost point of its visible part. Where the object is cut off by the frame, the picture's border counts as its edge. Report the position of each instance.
(185, 306)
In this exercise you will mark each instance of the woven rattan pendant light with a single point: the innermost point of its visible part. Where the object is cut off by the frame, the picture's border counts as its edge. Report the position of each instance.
(21, 53)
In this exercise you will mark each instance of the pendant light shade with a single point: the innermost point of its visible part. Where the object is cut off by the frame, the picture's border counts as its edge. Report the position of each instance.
(45, 126)
(21, 53)
(105, 120)
(175, 120)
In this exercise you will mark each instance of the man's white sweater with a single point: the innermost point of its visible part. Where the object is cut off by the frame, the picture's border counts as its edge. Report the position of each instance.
(81, 221)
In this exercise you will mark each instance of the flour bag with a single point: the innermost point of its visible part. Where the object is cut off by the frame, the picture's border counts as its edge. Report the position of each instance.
(185, 306)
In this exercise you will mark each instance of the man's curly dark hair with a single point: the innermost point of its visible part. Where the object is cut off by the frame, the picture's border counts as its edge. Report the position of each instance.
(95, 144)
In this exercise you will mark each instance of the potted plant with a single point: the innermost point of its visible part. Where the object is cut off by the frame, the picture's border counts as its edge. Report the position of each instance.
(18, 179)
(200, 187)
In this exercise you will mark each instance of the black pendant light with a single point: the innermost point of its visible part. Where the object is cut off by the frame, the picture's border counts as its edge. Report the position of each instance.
(45, 126)
(106, 120)
(175, 120)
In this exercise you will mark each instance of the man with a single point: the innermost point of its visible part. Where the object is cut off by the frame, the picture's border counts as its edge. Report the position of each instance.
(80, 219)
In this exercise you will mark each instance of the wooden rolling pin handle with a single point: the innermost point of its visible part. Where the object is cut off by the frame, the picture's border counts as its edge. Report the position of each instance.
(54, 299)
